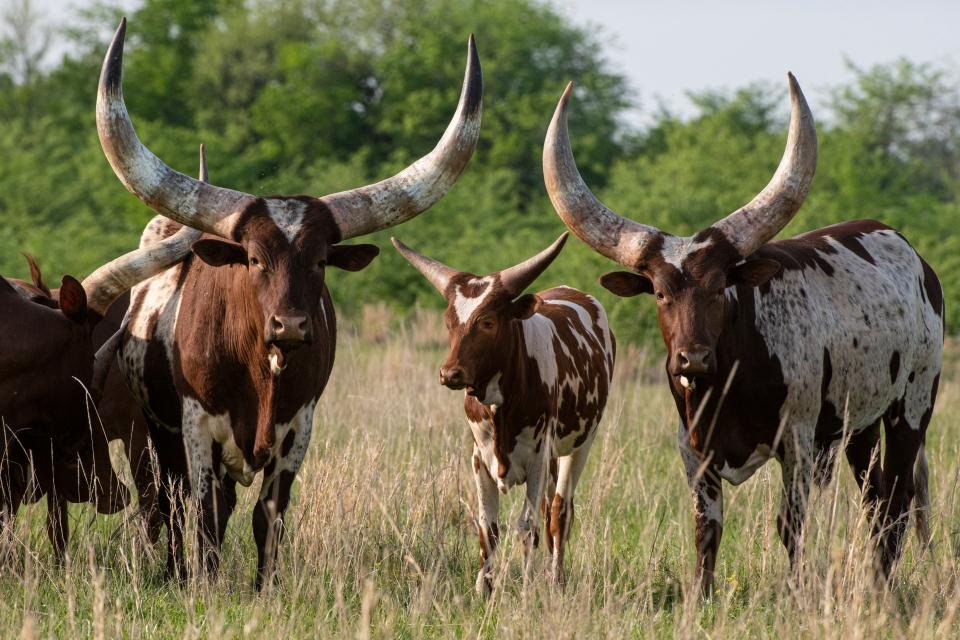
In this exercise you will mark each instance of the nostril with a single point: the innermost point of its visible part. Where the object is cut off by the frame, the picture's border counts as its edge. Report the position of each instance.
(682, 359)
(276, 324)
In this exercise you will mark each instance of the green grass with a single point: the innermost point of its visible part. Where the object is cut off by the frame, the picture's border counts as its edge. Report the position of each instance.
(381, 543)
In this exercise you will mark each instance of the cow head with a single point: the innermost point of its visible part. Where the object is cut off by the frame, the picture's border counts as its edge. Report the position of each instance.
(690, 277)
(284, 243)
(479, 313)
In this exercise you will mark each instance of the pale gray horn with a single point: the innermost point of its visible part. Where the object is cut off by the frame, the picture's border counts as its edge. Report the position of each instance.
(437, 273)
(110, 281)
(609, 233)
(415, 189)
(187, 200)
(758, 221)
(519, 277)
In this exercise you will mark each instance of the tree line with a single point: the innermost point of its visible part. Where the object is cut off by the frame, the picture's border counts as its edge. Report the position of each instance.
(315, 96)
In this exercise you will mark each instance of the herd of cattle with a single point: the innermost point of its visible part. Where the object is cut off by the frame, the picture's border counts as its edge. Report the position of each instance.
(209, 370)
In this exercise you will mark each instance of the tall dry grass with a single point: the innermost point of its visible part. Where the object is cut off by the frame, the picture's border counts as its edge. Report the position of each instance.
(380, 540)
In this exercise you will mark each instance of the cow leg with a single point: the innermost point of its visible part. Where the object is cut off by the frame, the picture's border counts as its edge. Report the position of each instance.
(707, 510)
(198, 427)
(796, 470)
(528, 524)
(904, 445)
(172, 483)
(546, 504)
(561, 517)
(863, 455)
(488, 527)
(57, 525)
(278, 477)
(139, 453)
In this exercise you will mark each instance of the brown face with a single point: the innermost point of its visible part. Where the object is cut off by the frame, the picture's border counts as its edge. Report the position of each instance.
(286, 270)
(691, 298)
(477, 317)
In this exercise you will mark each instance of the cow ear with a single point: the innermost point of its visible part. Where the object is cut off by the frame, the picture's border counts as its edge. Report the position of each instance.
(753, 273)
(352, 257)
(218, 253)
(73, 299)
(525, 306)
(626, 284)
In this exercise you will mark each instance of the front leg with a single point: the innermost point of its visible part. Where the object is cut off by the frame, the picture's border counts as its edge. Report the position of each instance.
(488, 515)
(707, 510)
(561, 517)
(528, 525)
(278, 476)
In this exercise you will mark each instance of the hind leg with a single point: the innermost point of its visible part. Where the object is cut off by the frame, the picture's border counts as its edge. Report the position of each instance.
(905, 428)
(561, 519)
(863, 455)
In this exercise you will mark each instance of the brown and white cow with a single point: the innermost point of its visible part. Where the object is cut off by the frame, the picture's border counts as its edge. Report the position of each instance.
(536, 369)
(229, 352)
(783, 349)
(49, 444)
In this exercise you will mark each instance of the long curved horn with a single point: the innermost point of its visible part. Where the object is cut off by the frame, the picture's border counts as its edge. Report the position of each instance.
(609, 233)
(415, 189)
(110, 281)
(758, 221)
(168, 192)
(437, 273)
(519, 277)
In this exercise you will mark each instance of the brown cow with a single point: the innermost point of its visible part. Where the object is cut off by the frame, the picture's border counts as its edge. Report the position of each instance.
(537, 370)
(229, 352)
(781, 349)
(46, 361)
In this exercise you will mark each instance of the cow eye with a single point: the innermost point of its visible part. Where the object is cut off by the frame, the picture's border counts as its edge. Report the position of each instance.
(255, 263)
(660, 295)
(487, 324)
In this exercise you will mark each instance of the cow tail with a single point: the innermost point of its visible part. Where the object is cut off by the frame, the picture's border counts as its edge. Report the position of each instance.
(921, 496)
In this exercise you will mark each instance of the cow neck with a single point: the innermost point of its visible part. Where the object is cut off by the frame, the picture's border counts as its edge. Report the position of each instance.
(517, 378)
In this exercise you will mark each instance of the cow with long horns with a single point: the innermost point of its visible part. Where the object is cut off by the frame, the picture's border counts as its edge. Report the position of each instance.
(230, 351)
(536, 369)
(781, 349)
(50, 444)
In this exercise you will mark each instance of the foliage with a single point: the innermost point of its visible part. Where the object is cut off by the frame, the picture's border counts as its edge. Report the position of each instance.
(313, 96)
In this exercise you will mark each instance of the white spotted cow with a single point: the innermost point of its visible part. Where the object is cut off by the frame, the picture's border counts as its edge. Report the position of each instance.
(536, 369)
(781, 349)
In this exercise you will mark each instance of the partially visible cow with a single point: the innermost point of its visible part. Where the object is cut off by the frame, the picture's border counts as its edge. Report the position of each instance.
(781, 349)
(536, 369)
(229, 352)
(46, 363)
(118, 415)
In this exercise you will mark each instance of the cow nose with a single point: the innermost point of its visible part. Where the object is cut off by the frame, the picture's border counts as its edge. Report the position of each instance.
(289, 329)
(695, 360)
(452, 377)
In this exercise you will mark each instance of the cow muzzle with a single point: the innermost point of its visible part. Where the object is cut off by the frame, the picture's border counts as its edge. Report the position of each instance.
(693, 361)
(453, 378)
(287, 332)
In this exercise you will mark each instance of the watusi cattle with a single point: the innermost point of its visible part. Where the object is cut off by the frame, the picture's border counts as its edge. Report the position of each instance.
(229, 351)
(788, 349)
(536, 369)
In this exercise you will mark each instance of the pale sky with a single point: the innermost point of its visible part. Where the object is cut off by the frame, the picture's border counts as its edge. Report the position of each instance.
(665, 48)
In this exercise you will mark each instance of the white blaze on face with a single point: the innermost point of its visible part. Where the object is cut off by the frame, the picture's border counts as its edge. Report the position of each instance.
(287, 215)
(464, 305)
(675, 250)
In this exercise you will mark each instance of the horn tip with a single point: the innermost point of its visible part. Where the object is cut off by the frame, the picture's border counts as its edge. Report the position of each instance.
(399, 246)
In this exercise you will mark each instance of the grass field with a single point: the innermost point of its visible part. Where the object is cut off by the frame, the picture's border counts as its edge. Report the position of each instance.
(381, 542)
